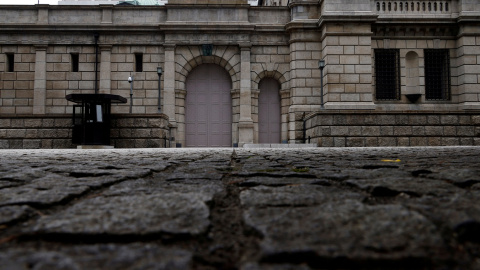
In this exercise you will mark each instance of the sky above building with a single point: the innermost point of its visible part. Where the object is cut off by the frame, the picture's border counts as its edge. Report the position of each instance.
(28, 2)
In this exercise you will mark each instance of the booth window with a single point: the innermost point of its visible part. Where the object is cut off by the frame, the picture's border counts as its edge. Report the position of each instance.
(138, 62)
(437, 74)
(10, 62)
(75, 61)
(387, 74)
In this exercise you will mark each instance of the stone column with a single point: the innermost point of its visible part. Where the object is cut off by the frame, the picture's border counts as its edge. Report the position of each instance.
(105, 69)
(168, 95)
(40, 83)
(245, 125)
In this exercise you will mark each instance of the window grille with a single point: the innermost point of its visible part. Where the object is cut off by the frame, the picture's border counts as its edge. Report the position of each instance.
(387, 69)
(138, 62)
(437, 74)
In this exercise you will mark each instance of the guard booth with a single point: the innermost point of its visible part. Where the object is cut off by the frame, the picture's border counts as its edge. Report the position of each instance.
(92, 117)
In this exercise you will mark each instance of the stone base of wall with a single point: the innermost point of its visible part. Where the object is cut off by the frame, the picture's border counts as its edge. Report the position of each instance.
(140, 131)
(373, 129)
(52, 131)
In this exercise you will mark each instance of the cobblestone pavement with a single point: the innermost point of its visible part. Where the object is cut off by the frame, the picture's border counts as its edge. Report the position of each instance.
(327, 208)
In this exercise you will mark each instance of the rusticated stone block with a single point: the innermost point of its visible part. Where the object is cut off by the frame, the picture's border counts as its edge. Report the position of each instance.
(31, 133)
(339, 119)
(17, 123)
(142, 133)
(476, 119)
(340, 131)
(371, 131)
(140, 122)
(157, 122)
(402, 130)
(62, 144)
(449, 119)
(15, 133)
(387, 141)
(466, 141)
(48, 123)
(355, 142)
(16, 144)
(3, 133)
(47, 143)
(124, 122)
(4, 144)
(476, 141)
(418, 141)
(339, 142)
(386, 130)
(433, 119)
(327, 120)
(449, 131)
(326, 142)
(418, 119)
(449, 141)
(434, 131)
(465, 131)
(33, 123)
(464, 119)
(32, 144)
(385, 120)
(122, 143)
(371, 141)
(403, 141)
(434, 141)
(401, 120)
(418, 130)
(63, 122)
(355, 131)
(327, 131)
(5, 123)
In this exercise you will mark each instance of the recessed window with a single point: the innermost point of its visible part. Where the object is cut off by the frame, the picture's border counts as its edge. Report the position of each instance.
(138, 62)
(437, 74)
(74, 59)
(387, 74)
(10, 62)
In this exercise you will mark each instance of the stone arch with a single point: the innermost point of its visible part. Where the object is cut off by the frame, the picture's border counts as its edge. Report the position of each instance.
(187, 58)
(284, 93)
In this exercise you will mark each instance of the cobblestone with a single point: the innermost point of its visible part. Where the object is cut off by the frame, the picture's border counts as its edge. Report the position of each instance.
(311, 208)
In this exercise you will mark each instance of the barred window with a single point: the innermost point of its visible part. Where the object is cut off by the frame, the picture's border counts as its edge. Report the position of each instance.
(437, 74)
(387, 74)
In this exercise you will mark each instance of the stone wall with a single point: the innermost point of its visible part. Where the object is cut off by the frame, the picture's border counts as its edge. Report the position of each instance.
(55, 131)
(360, 129)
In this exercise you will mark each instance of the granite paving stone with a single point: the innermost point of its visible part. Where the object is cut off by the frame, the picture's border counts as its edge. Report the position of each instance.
(235, 208)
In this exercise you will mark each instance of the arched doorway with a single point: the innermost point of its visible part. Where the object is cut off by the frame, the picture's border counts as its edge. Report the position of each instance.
(208, 107)
(269, 111)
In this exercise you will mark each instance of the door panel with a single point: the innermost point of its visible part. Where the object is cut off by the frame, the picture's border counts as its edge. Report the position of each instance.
(208, 107)
(269, 111)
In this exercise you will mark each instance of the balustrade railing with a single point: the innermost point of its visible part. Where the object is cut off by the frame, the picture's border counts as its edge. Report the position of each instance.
(413, 7)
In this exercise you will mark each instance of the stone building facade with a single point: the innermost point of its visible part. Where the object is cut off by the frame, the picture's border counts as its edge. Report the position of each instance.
(236, 74)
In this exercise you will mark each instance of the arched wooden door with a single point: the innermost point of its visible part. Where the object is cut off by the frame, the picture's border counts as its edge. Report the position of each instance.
(269, 111)
(208, 107)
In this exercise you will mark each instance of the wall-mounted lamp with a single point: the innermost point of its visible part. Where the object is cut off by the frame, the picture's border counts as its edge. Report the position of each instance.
(159, 72)
(321, 65)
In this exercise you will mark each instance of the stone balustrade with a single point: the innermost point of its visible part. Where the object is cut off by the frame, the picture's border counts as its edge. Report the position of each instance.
(413, 7)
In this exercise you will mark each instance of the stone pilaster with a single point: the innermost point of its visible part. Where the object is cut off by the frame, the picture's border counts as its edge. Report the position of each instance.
(347, 49)
(105, 69)
(40, 83)
(169, 88)
(245, 125)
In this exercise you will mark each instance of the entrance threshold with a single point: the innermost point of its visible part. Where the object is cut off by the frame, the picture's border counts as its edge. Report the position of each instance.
(279, 145)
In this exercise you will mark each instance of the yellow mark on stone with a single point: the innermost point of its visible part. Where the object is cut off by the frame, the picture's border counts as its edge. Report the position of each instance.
(391, 160)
